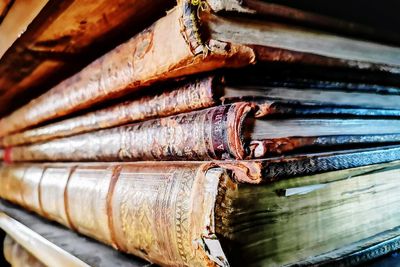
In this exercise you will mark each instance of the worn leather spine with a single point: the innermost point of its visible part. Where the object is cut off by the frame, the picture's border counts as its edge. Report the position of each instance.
(214, 133)
(192, 95)
(163, 51)
(158, 212)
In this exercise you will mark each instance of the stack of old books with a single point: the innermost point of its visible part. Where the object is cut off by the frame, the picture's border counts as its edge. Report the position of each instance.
(256, 135)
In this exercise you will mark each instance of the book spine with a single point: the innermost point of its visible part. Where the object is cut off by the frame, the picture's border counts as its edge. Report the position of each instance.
(163, 51)
(193, 95)
(213, 133)
(158, 212)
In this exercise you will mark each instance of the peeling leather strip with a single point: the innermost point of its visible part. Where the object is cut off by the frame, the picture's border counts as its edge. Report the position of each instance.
(241, 171)
(235, 137)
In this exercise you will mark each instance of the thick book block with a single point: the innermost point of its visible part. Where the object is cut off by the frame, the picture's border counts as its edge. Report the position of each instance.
(177, 45)
(200, 214)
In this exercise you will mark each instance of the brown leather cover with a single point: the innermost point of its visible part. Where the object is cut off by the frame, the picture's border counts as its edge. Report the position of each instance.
(64, 37)
(193, 95)
(214, 133)
(162, 213)
(160, 52)
(17, 256)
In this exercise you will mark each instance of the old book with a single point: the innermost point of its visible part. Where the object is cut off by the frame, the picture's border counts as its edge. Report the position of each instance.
(222, 132)
(276, 98)
(39, 247)
(88, 252)
(17, 256)
(85, 13)
(4, 8)
(61, 39)
(192, 39)
(200, 214)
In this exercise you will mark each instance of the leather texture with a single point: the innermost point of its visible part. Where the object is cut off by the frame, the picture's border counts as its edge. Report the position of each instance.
(160, 212)
(213, 133)
(192, 95)
(158, 53)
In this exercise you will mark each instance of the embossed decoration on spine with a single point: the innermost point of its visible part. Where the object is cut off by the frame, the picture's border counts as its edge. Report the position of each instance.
(150, 210)
(190, 96)
(158, 226)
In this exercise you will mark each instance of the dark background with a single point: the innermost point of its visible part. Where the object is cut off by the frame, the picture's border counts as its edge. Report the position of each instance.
(382, 14)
